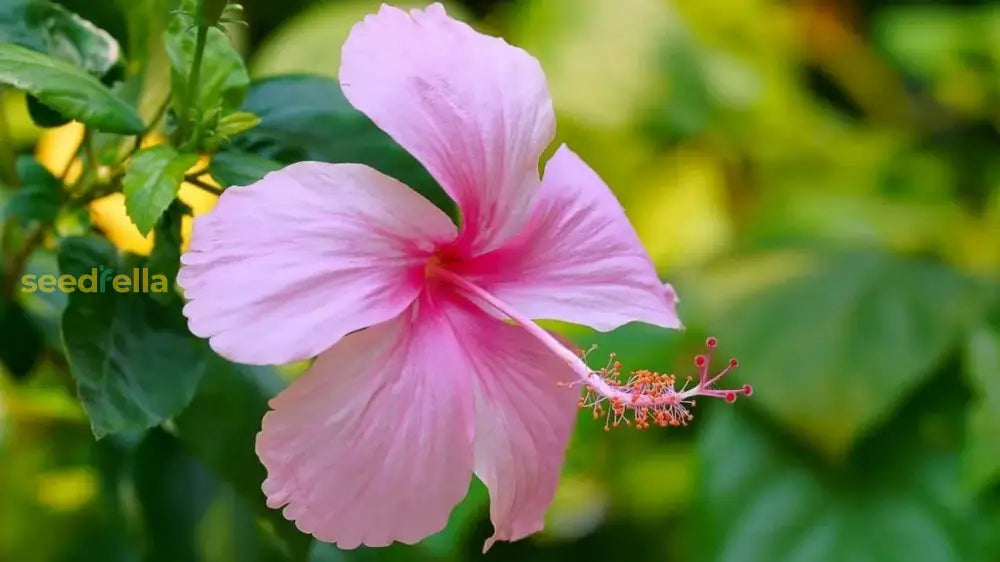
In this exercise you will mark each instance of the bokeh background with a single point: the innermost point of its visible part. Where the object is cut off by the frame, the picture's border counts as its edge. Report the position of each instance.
(819, 179)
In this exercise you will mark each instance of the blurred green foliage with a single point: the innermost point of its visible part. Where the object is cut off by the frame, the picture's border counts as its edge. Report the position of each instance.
(820, 180)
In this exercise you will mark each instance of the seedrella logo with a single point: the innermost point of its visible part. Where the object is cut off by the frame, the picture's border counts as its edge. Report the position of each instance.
(100, 280)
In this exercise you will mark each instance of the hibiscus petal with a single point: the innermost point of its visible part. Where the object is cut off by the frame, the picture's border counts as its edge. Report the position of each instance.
(578, 259)
(374, 443)
(474, 110)
(284, 268)
(523, 423)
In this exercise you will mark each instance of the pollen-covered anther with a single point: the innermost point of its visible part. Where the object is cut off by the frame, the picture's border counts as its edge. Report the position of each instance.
(642, 397)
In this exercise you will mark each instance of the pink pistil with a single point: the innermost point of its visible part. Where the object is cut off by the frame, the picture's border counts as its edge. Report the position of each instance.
(641, 397)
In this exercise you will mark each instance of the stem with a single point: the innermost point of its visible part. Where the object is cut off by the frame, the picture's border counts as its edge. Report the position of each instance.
(15, 265)
(83, 199)
(160, 112)
(73, 156)
(88, 144)
(193, 180)
(8, 163)
(89, 165)
(157, 116)
(192, 82)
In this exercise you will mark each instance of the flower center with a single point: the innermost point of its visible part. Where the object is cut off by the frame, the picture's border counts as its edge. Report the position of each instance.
(433, 265)
(439, 262)
(638, 398)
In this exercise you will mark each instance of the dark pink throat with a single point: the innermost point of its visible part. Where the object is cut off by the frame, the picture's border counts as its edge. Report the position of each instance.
(442, 260)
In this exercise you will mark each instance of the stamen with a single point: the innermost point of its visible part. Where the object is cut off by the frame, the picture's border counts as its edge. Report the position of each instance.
(640, 398)
(652, 397)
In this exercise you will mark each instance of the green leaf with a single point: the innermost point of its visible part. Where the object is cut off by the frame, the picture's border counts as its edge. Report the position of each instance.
(325, 552)
(49, 28)
(102, 531)
(236, 123)
(759, 500)
(80, 42)
(174, 491)
(223, 79)
(43, 115)
(686, 108)
(44, 308)
(17, 24)
(21, 342)
(981, 460)
(230, 532)
(930, 40)
(167, 241)
(151, 182)
(234, 167)
(221, 423)
(461, 523)
(220, 427)
(833, 351)
(189, 513)
(67, 89)
(308, 118)
(40, 194)
(134, 362)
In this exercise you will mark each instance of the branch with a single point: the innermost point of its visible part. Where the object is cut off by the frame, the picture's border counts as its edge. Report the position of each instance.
(192, 83)
(8, 165)
(14, 266)
(194, 180)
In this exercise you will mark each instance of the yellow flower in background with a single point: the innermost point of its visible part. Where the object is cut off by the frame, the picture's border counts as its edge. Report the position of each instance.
(679, 209)
(55, 151)
(68, 489)
(585, 47)
(309, 43)
(972, 243)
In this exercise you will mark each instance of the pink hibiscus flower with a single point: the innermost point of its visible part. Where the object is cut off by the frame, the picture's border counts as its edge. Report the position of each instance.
(429, 367)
